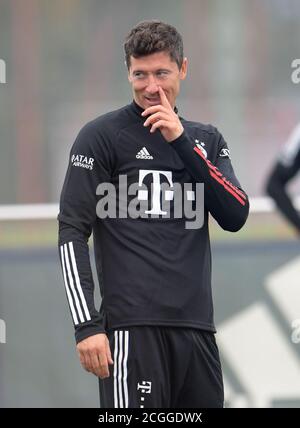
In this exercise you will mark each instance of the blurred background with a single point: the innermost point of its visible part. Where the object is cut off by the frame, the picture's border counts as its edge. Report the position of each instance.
(62, 64)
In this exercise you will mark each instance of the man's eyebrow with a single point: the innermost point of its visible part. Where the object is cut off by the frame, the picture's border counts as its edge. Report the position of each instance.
(155, 71)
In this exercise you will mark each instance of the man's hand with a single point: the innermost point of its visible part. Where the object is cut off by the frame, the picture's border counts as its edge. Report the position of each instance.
(163, 117)
(94, 354)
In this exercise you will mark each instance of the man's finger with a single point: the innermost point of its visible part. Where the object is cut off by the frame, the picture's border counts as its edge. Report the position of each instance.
(86, 361)
(95, 363)
(155, 117)
(108, 354)
(154, 109)
(163, 98)
(159, 124)
(104, 371)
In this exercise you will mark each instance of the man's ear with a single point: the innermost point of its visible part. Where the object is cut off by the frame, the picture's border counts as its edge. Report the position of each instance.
(183, 70)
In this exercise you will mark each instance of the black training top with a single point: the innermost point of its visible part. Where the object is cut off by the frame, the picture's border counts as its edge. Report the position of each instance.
(154, 268)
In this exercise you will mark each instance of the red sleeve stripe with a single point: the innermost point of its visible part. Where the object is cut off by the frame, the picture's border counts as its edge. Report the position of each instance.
(216, 174)
(234, 188)
(222, 182)
(219, 174)
(238, 191)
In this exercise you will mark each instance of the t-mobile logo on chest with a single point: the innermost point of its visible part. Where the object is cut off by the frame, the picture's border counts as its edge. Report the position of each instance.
(157, 189)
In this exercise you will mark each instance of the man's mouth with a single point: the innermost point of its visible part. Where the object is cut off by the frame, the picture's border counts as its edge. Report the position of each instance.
(153, 100)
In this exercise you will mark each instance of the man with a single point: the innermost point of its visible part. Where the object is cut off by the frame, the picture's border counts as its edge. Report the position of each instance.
(155, 325)
(286, 167)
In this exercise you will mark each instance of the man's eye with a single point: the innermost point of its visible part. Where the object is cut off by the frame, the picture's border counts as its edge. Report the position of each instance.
(162, 73)
(138, 75)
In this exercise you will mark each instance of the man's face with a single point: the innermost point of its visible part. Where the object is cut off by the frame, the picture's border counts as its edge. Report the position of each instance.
(148, 72)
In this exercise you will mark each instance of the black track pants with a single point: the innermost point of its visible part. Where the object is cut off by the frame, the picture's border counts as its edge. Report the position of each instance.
(162, 367)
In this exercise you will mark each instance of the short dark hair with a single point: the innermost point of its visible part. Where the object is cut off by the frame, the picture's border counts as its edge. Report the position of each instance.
(153, 36)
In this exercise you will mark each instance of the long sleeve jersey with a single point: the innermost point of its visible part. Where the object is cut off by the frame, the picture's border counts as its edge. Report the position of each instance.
(284, 170)
(154, 268)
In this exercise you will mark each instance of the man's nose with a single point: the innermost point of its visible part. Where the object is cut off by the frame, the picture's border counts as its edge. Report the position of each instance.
(152, 84)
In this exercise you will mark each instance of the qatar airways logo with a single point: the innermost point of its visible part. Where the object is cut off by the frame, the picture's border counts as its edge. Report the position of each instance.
(82, 161)
(154, 196)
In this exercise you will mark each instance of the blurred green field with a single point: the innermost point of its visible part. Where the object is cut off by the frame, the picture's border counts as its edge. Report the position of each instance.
(43, 233)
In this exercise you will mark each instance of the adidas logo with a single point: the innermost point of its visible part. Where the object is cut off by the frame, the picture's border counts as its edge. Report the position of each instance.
(144, 154)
